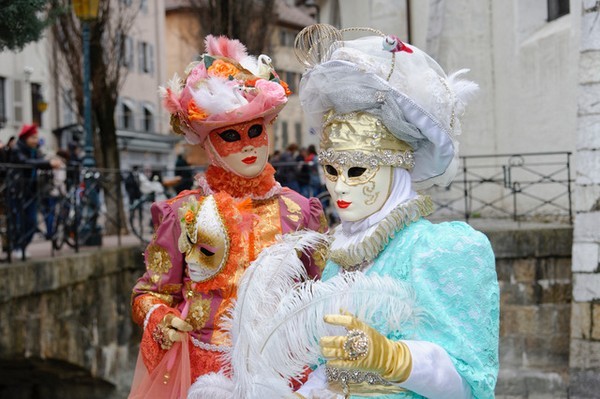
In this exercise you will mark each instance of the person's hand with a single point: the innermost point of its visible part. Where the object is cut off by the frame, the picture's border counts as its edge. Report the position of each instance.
(364, 348)
(55, 163)
(169, 330)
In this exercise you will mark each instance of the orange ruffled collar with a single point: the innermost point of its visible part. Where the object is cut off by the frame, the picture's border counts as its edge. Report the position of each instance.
(260, 187)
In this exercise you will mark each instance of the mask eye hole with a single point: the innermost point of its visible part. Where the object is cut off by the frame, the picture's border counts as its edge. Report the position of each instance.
(230, 135)
(255, 131)
(331, 170)
(356, 171)
(207, 251)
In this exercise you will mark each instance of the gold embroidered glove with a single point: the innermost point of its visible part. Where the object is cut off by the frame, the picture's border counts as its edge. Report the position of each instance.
(365, 349)
(167, 331)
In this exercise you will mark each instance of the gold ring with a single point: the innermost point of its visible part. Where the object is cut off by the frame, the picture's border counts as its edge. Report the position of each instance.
(356, 345)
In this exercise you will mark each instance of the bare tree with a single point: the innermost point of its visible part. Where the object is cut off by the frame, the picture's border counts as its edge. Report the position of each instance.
(108, 40)
(249, 21)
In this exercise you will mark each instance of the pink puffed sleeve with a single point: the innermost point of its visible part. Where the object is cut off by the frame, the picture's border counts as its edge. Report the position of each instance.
(163, 278)
(159, 291)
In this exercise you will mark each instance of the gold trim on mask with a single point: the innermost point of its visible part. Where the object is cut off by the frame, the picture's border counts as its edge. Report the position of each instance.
(361, 139)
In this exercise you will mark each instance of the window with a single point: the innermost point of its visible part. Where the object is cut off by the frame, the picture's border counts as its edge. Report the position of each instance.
(148, 119)
(146, 57)
(3, 117)
(298, 128)
(68, 99)
(127, 52)
(287, 37)
(557, 8)
(37, 103)
(18, 101)
(126, 115)
(290, 79)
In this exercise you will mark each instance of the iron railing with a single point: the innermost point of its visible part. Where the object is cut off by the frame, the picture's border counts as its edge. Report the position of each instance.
(84, 209)
(528, 186)
(533, 186)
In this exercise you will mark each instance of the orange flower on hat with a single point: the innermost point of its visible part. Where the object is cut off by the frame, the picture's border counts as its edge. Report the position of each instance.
(222, 69)
(251, 82)
(285, 87)
(195, 113)
(189, 217)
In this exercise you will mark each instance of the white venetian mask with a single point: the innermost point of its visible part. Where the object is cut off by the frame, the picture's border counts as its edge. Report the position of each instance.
(357, 191)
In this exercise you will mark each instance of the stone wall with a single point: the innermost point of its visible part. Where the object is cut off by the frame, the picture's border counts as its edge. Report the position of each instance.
(534, 273)
(66, 331)
(65, 326)
(585, 322)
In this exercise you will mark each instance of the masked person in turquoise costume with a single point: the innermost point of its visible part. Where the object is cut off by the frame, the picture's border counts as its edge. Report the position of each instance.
(389, 118)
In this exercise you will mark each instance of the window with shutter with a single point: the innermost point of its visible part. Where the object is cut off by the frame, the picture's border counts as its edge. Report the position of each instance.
(3, 115)
(18, 101)
(557, 8)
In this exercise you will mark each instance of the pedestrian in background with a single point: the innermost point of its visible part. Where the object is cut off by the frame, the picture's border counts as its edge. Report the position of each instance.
(57, 189)
(183, 169)
(303, 172)
(287, 172)
(132, 185)
(23, 191)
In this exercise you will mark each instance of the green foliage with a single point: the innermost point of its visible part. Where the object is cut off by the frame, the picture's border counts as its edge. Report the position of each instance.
(22, 22)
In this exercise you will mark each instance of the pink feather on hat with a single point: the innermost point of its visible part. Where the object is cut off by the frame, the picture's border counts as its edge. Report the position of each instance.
(225, 47)
(214, 94)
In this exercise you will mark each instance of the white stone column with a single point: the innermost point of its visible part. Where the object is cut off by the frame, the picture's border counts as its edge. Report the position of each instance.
(584, 361)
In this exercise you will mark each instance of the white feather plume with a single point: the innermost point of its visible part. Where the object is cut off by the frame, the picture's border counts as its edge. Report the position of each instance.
(463, 89)
(217, 96)
(211, 385)
(265, 283)
(298, 323)
(276, 323)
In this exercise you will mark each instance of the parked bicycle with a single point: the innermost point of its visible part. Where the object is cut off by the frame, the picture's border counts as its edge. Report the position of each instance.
(76, 214)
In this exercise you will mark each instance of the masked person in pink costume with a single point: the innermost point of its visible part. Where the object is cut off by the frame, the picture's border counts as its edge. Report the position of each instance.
(206, 238)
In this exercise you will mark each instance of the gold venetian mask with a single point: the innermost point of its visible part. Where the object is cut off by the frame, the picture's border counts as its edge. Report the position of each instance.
(204, 239)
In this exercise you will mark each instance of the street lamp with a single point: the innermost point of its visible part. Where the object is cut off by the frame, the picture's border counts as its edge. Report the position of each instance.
(87, 11)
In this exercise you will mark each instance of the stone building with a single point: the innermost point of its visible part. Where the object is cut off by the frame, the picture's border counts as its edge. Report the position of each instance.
(30, 92)
(584, 360)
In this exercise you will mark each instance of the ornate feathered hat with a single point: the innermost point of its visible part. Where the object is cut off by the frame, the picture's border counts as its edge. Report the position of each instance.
(226, 86)
(404, 91)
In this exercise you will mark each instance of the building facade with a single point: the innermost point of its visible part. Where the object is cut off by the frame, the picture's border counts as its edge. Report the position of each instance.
(31, 91)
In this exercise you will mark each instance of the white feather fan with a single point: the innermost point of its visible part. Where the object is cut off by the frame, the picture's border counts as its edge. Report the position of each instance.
(276, 323)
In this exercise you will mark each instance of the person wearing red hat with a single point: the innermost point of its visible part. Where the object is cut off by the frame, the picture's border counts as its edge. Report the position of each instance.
(22, 181)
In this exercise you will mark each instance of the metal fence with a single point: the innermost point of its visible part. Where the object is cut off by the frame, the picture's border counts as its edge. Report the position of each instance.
(78, 209)
(523, 187)
(530, 186)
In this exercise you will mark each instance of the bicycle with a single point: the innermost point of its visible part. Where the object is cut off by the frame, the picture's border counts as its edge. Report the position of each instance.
(75, 214)
(66, 220)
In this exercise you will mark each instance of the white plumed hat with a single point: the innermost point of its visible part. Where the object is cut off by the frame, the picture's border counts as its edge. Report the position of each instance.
(393, 81)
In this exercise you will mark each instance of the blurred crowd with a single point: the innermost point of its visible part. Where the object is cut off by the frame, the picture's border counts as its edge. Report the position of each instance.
(298, 169)
(35, 182)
